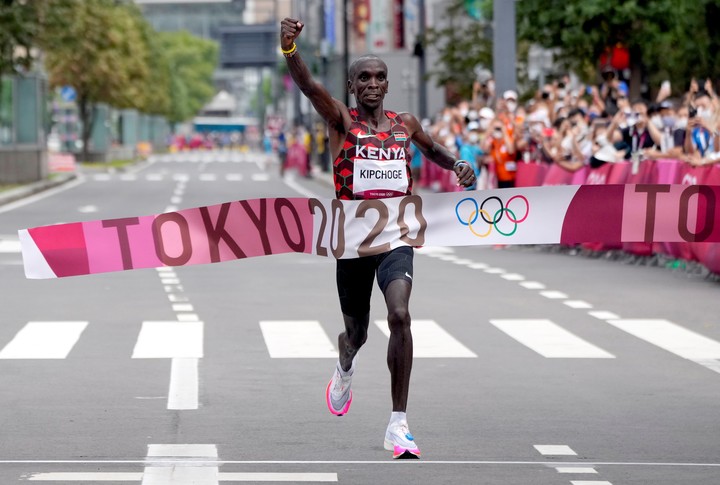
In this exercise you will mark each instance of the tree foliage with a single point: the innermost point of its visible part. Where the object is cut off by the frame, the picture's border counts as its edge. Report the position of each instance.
(667, 39)
(463, 45)
(110, 54)
(191, 61)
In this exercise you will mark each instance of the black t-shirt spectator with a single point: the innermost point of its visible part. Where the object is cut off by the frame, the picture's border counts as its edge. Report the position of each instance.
(634, 139)
(679, 137)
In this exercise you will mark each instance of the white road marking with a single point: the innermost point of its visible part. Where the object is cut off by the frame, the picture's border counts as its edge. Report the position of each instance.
(175, 199)
(85, 477)
(234, 177)
(447, 257)
(555, 450)
(101, 177)
(671, 337)
(42, 195)
(290, 182)
(603, 315)
(532, 285)
(589, 482)
(428, 250)
(177, 298)
(430, 340)
(712, 364)
(463, 261)
(478, 266)
(128, 177)
(182, 307)
(575, 469)
(87, 209)
(171, 208)
(181, 177)
(188, 317)
(184, 384)
(296, 339)
(550, 340)
(208, 177)
(512, 277)
(167, 340)
(154, 177)
(578, 304)
(9, 246)
(44, 340)
(170, 281)
(260, 177)
(181, 472)
(278, 477)
(554, 295)
(495, 271)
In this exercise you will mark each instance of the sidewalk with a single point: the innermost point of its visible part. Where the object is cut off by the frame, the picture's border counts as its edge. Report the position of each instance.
(33, 188)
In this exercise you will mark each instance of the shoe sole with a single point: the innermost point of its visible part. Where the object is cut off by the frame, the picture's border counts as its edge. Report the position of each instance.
(344, 409)
(400, 453)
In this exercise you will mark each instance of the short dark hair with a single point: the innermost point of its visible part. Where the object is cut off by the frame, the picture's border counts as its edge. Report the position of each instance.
(352, 71)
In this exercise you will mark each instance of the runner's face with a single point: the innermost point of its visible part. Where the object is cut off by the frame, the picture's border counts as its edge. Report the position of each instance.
(370, 84)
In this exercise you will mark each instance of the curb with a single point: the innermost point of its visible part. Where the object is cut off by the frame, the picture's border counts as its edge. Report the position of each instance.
(34, 188)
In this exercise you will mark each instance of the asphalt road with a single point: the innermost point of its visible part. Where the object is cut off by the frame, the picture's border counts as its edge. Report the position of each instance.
(531, 367)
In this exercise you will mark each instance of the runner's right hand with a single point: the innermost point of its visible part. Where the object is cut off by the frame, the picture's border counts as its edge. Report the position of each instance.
(289, 31)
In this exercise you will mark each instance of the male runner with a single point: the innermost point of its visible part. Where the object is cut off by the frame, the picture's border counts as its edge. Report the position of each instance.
(355, 133)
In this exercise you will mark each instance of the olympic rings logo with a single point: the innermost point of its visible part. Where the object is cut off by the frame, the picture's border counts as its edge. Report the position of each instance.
(500, 211)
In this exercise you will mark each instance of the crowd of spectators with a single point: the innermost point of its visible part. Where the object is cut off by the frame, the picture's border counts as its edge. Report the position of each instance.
(575, 125)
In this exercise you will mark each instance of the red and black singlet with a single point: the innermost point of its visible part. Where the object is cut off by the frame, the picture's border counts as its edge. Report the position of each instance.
(372, 164)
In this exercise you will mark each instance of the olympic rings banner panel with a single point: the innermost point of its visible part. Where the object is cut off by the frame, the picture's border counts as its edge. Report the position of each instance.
(350, 229)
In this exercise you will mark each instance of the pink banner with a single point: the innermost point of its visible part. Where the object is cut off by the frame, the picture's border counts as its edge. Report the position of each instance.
(350, 229)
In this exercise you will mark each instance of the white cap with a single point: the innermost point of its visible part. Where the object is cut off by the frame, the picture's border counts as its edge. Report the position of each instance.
(510, 94)
(487, 113)
(606, 154)
(473, 125)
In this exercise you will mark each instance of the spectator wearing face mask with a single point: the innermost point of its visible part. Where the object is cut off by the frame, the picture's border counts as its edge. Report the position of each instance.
(531, 143)
(638, 137)
(470, 149)
(611, 90)
(701, 134)
(500, 147)
(486, 115)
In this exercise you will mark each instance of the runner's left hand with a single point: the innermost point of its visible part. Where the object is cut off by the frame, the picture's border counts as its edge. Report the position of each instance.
(465, 174)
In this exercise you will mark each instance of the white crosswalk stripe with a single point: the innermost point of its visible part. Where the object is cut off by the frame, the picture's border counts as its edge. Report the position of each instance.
(44, 340)
(550, 340)
(430, 340)
(287, 339)
(9, 245)
(168, 340)
(675, 339)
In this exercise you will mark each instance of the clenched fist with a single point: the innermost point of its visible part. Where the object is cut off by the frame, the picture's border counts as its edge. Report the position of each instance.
(289, 31)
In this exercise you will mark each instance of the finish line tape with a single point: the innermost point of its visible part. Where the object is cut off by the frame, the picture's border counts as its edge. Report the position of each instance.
(349, 229)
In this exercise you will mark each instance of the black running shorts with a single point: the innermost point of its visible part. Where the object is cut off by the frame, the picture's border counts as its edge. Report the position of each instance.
(355, 277)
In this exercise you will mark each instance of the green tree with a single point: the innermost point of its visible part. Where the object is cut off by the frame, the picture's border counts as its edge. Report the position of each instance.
(667, 39)
(192, 61)
(96, 46)
(463, 45)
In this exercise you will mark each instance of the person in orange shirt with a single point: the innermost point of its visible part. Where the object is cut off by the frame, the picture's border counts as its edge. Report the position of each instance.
(500, 147)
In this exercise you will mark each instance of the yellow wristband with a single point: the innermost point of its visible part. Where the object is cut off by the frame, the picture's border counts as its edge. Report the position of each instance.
(292, 49)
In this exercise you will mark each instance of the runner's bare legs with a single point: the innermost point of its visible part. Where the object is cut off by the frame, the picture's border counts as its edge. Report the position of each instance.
(354, 337)
(400, 347)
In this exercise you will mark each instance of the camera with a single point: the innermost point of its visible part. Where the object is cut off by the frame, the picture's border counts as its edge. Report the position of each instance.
(692, 112)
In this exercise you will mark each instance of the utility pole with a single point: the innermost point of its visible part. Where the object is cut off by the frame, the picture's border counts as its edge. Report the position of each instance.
(504, 50)
(346, 49)
(422, 68)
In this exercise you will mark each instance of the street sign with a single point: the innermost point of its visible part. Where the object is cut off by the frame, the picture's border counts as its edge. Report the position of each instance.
(68, 94)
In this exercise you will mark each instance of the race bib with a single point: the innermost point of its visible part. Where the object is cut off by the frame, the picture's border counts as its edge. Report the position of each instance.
(373, 179)
(511, 166)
